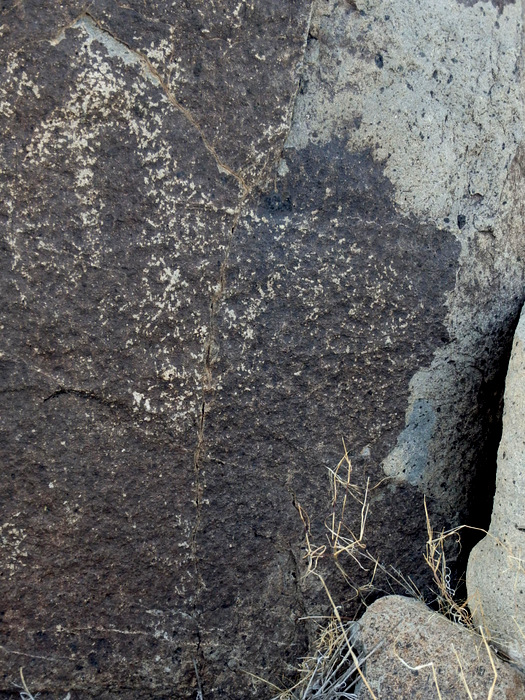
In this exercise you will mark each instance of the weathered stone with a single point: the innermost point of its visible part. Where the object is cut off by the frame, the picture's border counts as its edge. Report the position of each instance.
(325, 282)
(496, 573)
(417, 653)
(415, 85)
(118, 203)
(203, 295)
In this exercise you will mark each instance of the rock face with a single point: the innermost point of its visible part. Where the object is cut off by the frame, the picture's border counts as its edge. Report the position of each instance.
(415, 651)
(234, 233)
(131, 139)
(496, 573)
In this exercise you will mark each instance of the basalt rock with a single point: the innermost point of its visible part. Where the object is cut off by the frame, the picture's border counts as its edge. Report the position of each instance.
(131, 136)
(414, 652)
(233, 235)
(496, 573)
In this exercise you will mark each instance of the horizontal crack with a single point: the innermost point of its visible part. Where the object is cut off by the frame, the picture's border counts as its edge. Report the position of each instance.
(87, 395)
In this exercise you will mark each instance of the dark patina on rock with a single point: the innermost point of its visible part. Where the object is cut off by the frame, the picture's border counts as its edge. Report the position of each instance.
(332, 301)
(194, 318)
(119, 192)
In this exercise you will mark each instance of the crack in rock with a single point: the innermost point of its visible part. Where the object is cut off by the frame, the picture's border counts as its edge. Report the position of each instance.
(119, 49)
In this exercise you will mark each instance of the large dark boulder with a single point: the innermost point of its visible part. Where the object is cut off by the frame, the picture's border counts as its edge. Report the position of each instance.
(235, 233)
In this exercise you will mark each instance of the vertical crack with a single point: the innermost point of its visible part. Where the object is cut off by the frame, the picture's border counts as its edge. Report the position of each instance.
(208, 389)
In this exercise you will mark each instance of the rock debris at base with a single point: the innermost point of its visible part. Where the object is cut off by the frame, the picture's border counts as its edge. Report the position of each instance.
(419, 654)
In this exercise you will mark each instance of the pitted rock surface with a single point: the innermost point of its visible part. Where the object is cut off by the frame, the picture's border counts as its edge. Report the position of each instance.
(414, 652)
(495, 573)
(120, 191)
(415, 85)
(235, 233)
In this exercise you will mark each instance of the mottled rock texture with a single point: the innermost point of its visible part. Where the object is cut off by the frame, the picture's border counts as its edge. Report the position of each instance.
(442, 111)
(131, 136)
(417, 653)
(496, 572)
(233, 234)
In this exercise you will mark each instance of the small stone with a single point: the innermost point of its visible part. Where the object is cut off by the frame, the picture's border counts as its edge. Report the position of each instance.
(418, 651)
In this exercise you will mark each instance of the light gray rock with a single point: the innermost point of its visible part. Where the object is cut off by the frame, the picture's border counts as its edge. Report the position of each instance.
(496, 568)
(419, 654)
(414, 87)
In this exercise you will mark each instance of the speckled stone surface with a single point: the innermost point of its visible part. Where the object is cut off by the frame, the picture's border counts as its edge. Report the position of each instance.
(131, 136)
(233, 234)
(417, 653)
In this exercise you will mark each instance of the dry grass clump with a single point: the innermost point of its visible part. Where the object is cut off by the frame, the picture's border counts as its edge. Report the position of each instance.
(341, 539)
(336, 666)
(436, 559)
(333, 670)
(343, 542)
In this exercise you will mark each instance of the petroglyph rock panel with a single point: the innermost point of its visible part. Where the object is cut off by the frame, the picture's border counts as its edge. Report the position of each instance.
(234, 235)
(119, 195)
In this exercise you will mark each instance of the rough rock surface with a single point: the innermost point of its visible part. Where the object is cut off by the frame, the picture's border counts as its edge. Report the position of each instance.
(417, 86)
(496, 570)
(131, 136)
(234, 233)
(415, 651)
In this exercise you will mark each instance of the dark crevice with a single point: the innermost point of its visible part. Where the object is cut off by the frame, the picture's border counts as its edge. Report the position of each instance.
(490, 408)
(82, 393)
(489, 402)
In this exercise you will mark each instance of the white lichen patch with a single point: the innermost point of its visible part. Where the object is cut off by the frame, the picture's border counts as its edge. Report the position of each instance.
(115, 97)
(162, 51)
(73, 512)
(11, 546)
(73, 131)
(84, 177)
(157, 275)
